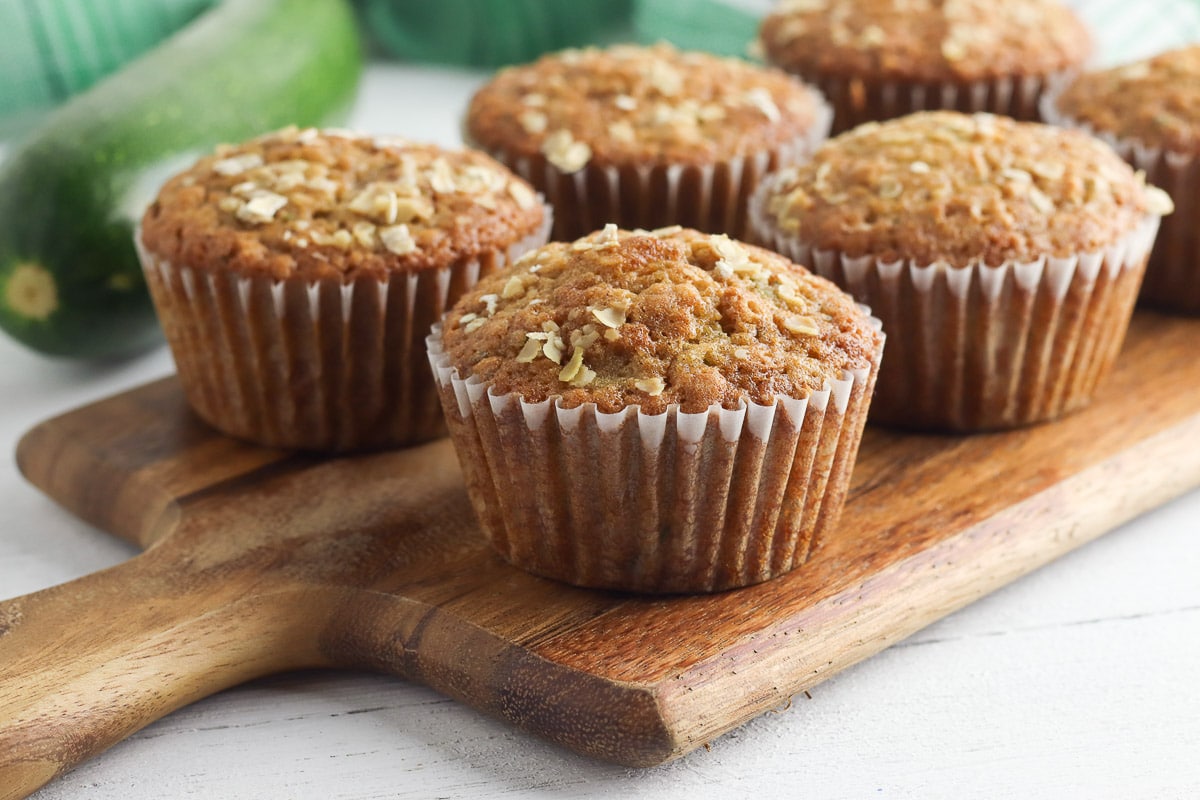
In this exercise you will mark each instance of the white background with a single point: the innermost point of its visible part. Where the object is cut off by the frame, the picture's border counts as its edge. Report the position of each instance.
(1080, 680)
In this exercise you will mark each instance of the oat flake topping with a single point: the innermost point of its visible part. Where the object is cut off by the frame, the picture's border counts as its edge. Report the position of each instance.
(628, 103)
(651, 318)
(925, 39)
(945, 186)
(338, 202)
(1156, 101)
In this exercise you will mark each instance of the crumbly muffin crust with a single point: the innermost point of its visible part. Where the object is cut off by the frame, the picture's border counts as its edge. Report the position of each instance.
(925, 40)
(639, 105)
(642, 318)
(1156, 101)
(961, 189)
(331, 203)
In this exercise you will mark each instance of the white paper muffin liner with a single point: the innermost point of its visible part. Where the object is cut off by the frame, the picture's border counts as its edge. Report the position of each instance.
(980, 347)
(313, 365)
(1172, 279)
(856, 100)
(708, 197)
(664, 503)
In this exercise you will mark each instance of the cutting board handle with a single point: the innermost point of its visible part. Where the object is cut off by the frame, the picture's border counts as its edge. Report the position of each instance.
(89, 662)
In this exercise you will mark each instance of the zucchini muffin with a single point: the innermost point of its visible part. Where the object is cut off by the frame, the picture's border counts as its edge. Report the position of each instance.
(665, 411)
(296, 275)
(645, 136)
(878, 59)
(1003, 257)
(1150, 112)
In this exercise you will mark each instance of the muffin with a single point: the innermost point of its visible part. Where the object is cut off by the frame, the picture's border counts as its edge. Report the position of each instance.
(1003, 257)
(878, 59)
(665, 411)
(296, 276)
(645, 136)
(1150, 112)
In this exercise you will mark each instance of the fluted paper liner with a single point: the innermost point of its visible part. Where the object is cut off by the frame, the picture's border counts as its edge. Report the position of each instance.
(670, 502)
(856, 100)
(708, 197)
(314, 365)
(985, 348)
(1172, 280)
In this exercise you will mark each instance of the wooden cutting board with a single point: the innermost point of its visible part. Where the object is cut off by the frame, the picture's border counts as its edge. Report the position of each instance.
(259, 561)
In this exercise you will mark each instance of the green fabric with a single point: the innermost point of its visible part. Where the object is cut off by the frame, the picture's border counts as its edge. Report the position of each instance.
(710, 25)
(488, 33)
(52, 49)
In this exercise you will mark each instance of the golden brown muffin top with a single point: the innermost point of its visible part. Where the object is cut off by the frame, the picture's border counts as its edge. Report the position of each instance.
(652, 318)
(1156, 101)
(961, 189)
(640, 105)
(925, 40)
(335, 203)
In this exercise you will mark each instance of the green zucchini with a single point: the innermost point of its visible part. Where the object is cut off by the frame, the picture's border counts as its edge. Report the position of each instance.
(71, 195)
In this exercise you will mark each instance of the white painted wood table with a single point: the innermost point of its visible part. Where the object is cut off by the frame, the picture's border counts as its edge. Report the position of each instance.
(1080, 680)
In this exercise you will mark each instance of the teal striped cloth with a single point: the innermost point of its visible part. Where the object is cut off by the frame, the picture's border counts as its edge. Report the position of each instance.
(51, 49)
(488, 33)
(1127, 30)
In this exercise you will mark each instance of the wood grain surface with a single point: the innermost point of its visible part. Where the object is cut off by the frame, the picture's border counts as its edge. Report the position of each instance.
(261, 561)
